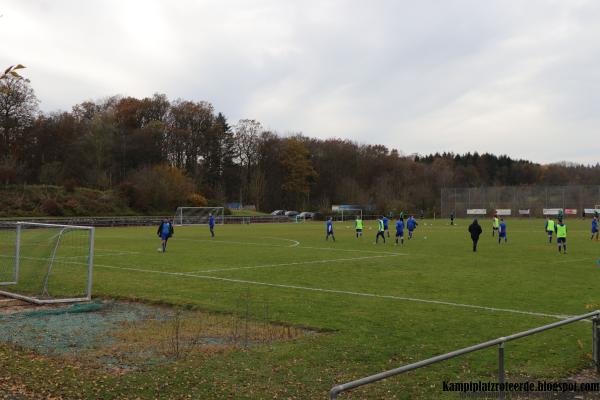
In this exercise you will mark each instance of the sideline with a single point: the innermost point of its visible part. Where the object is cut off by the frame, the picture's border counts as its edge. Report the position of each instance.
(344, 292)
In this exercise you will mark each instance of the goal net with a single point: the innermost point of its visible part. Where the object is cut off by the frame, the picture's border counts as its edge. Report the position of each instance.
(198, 215)
(348, 214)
(46, 263)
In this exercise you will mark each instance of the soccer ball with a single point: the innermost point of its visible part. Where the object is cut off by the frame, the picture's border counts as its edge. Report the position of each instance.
(159, 250)
(425, 237)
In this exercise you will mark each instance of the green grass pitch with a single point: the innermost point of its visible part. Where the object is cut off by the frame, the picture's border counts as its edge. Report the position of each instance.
(377, 307)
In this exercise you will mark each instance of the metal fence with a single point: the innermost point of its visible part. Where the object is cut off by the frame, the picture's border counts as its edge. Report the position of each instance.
(336, 390)
(533, 198)
(139, 220)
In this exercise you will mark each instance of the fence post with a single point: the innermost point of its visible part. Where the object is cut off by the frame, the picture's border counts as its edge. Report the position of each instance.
(596, 341)
(501, 370)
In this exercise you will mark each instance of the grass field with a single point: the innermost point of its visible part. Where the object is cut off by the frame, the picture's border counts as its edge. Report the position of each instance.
(376, 307)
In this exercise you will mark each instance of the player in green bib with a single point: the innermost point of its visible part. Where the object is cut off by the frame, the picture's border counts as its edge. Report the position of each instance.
(358, 225)
(550, 225)
(561, 236)
(495, 225)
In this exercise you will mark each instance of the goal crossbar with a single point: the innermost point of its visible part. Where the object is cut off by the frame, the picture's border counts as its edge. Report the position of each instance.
(198, 215)
(351, 212)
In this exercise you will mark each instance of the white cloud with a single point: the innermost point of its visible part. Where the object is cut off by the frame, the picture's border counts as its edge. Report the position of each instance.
(501, 76)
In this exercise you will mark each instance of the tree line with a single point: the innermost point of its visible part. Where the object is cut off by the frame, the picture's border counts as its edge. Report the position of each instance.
(158, 153)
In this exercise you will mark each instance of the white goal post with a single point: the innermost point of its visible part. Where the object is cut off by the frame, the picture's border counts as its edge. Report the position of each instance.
(198, 215)
(46, 263)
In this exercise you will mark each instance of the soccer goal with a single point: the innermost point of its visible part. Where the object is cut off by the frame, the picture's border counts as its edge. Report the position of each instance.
(198, 215)
(46, 263)
(351, 213)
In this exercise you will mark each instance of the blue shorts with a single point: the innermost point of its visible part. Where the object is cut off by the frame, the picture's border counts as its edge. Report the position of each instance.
(561, 240)
(502, 235)
(550, 233)
(399, 233)
(595, 230)
(164, 236)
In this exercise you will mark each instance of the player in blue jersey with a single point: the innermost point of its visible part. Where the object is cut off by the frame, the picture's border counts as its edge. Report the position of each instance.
(211, 224)
(329, 229)
(165, 231)
(385, 225)
(411, 224)
(594, 228)
(502, 231)
(400, 230)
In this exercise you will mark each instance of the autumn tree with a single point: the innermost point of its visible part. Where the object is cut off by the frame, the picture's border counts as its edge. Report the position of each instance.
(247, 139)
(298, 172)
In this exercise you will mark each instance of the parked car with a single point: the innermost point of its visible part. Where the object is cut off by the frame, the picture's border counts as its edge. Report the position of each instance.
(291, 213)
(278, 212)
(305, 215)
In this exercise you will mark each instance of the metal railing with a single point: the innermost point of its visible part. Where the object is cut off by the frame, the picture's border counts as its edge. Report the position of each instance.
(333, 393)
(123, 221)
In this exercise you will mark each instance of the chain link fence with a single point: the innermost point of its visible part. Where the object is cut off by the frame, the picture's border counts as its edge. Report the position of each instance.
(515, 198)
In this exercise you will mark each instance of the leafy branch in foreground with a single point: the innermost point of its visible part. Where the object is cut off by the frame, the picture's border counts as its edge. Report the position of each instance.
(12, 72)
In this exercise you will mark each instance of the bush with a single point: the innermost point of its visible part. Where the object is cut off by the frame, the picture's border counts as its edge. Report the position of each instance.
(197, 200)
(70, 185)
(51, 207)
(160, 188)
(72, 204)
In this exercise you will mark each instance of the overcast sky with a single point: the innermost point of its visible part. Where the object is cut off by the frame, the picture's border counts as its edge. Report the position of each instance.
(514, 77)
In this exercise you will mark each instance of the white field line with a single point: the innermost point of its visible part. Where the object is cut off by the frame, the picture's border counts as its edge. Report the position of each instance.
(294, 242)
(570, 261)
(294, 263)
(344, 292)
(65, 257)
(296, 247)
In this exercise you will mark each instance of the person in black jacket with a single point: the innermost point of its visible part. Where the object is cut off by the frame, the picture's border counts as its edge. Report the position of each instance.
(475, 230)
(165, 231)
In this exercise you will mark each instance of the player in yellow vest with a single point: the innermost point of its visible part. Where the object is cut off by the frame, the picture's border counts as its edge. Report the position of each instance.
(495, 225)
(561, 236)
(550, 225)
(358, 225)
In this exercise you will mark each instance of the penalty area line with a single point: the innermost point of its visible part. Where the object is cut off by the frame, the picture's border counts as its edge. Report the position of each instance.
(295, 263)
(344, 292)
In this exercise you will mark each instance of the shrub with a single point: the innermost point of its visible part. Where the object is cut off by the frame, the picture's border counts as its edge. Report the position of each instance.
(160, 188)
(71, 204)
(51, 207)
(70, 185)
(197, 200)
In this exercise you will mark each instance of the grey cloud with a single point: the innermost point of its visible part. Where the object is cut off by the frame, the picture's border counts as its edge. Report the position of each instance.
(501, 76)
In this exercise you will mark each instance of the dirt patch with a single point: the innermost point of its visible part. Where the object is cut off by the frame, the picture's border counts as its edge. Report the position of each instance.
(123, 336)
